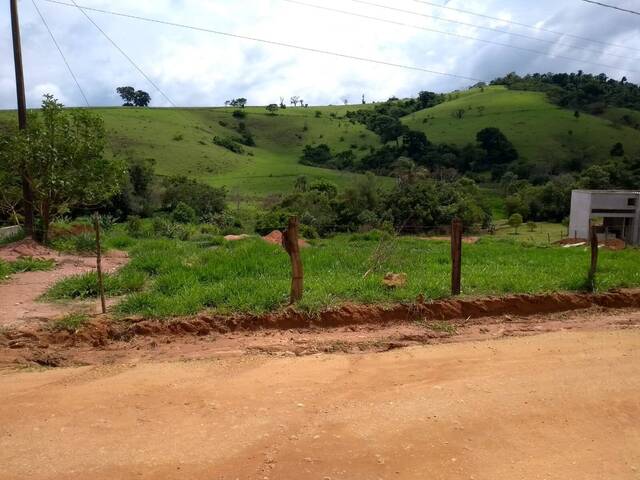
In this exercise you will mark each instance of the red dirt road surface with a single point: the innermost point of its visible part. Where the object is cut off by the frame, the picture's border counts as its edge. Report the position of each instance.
(561, 405)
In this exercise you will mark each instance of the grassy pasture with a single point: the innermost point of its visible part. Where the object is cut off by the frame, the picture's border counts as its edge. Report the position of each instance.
(167, 278)
(542, 132)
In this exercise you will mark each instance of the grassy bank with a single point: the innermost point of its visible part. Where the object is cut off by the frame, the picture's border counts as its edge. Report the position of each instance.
(168, 278)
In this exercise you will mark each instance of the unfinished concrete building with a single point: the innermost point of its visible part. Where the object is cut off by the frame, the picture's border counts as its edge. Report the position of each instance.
(618, 210)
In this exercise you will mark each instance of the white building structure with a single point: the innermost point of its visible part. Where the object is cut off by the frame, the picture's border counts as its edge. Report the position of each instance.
(618, 209)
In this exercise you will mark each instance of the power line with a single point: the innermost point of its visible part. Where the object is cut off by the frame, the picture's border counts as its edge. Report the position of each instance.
(467, 37)
(121, 51)
(612, 6)
(64, 59)
(273, 42)
(525, 25)
(457, 22)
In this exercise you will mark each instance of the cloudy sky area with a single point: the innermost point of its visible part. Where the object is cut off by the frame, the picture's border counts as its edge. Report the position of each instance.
(202, 69)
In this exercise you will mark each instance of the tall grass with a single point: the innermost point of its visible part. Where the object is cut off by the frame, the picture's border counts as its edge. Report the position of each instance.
(168, 278)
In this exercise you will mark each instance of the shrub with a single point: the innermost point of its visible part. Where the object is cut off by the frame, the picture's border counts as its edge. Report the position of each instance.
(82, 243)
(178, 137)
(183, 213)
(239, 114)
(229, 144)
(134, 226)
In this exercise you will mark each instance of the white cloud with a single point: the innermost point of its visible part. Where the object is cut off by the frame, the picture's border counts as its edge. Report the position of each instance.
(197, 68)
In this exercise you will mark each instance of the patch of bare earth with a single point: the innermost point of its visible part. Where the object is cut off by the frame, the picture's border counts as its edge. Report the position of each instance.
(561, 405)
(19, 305)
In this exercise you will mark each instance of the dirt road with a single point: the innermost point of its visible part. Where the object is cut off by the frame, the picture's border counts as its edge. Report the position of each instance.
(562, 405)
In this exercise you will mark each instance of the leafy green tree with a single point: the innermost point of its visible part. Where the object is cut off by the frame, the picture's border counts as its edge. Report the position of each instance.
(272, 108)
(141, 99)
(204, 199)
(387, 127)
(128, 94)
(183, 213)
(415, 144)
(326, 187)
(617, 150)
(64, 152)
(316, 156)
(515, 221)
(499, 150)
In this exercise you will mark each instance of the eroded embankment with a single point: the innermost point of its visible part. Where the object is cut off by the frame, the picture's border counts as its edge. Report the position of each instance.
(102, 330)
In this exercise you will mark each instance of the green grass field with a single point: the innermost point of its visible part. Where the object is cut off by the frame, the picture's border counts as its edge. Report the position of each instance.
(180, 140)
(167, 278)
(542, 132)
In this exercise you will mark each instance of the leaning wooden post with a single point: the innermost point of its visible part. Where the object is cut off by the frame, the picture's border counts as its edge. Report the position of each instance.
(96, 226)
(291, 245)
(456, 256)
(593, 234)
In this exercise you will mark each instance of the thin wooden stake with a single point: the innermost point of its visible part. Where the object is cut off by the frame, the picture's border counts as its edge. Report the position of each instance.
(290, 244)
(96, 226)
(594, 257)
(456, 257)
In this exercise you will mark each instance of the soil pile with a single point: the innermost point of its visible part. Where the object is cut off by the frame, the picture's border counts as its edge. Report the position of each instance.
(275, 238)
(26, 248)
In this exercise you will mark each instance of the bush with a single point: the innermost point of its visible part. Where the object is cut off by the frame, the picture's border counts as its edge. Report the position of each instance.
(229, 144)
(183, 213)
(134, 226)
(239, 114)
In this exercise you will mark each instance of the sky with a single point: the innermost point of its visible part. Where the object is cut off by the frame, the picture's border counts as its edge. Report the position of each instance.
(195, 68)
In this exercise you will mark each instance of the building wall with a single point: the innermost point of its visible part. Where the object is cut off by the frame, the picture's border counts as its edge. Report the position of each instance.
(580, 214)
(586, 205)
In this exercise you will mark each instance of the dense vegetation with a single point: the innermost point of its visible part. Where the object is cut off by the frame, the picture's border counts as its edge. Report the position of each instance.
(168, 277)
(488, 152)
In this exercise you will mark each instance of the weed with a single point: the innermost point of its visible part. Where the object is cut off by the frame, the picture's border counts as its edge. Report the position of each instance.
(70, 323)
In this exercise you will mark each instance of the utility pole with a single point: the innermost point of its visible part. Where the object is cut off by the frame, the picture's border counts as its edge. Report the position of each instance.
(27, 193)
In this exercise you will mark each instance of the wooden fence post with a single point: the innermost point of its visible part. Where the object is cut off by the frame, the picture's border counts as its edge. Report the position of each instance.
(456, 256)
(291, 245)
(593, 234)
(96, 226)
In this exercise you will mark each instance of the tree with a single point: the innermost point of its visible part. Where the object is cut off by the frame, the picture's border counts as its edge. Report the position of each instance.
(617, 150)
(282, 104)
(499, 149)
(407, 172)
(427, 100)
(272, 108)
(128, 94)
(204, 199)
(325, 187)
(388, 127)
(236, 102)
(64, 153)
(10, 181)
(515, 221)
(141, 99)
(532, 226)
(294, 100)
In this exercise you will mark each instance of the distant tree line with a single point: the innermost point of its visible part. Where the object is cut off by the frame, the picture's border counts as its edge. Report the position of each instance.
(579, 91)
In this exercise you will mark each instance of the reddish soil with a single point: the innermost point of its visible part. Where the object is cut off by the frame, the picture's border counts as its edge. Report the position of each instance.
(348, 329)
(559, 405)
(275, 238)
(19, 294)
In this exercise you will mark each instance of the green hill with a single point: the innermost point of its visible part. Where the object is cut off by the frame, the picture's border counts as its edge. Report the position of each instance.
(181, 140)
(541, 132)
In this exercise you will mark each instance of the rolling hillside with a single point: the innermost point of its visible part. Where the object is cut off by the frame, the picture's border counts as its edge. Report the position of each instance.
(542, 132)
(181, 140)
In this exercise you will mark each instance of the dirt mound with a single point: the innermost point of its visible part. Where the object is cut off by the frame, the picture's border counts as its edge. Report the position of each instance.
(235, 238)
(275, 238)
(26, 248)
